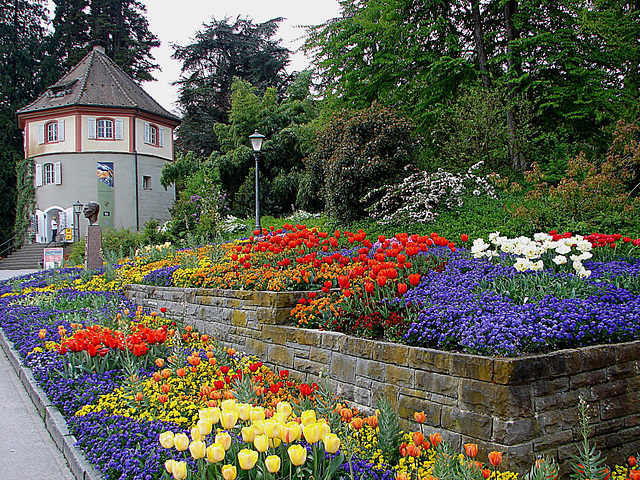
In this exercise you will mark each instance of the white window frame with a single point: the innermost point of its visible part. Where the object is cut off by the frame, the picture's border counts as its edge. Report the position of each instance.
(48, 174)
(153, 135)
(105, 129)
(51, 132)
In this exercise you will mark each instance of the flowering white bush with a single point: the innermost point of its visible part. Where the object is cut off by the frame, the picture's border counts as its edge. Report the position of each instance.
(531, 254)
(419, 197)
(151, 249)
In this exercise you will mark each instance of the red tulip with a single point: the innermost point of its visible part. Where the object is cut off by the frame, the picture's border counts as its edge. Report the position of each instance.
(414, 279)
(402, 288)
(368, 287)
(382, 280)
(464, 237)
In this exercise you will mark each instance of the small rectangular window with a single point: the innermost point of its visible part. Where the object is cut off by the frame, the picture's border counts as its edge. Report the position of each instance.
(146, 182)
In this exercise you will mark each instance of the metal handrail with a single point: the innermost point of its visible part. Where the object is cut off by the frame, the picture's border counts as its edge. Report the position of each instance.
(13, 243)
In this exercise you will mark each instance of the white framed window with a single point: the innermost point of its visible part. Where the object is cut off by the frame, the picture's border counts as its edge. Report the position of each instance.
(51, 132)
(51, 173)
(153, 135)
(104, 129)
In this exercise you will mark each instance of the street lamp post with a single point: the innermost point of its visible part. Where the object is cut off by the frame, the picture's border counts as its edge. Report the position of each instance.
(256, 143)
(77, 210)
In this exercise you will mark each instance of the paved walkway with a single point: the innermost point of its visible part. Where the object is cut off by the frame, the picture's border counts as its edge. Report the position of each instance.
(26, 448)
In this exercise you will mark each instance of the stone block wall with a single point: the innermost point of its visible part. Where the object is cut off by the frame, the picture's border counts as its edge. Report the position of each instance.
(523, 407)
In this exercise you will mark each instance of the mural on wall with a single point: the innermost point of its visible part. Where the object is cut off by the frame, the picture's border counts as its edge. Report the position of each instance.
(106, 186)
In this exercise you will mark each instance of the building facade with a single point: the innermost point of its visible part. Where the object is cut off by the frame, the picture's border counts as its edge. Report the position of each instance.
(97, 135)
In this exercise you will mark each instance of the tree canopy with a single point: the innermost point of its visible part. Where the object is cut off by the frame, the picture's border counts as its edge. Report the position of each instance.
(223, 50)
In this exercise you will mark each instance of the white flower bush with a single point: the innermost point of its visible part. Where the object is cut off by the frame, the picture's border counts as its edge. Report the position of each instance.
(532, 253)
(419, 196)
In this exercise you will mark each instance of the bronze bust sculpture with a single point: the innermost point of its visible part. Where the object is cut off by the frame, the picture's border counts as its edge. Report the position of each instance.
(91, 210)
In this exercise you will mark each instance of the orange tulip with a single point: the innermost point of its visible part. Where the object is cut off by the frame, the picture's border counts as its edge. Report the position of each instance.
(357, 423)
(632, 461)
(346, 414)
(418, 438)
(486, 473)
(413, 451)
(373, 421)
(159, 362)
(181, 372)
(495, 458)
(165, 388)
(420, 417)
(634, 474)
(436, 439)
(471, 449)
(402, 476)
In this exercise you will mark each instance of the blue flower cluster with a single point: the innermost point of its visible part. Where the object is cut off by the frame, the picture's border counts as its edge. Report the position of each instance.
(161, 277)
(457, 314)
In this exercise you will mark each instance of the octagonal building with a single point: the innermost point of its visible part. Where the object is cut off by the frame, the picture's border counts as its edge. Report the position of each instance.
(97, 135)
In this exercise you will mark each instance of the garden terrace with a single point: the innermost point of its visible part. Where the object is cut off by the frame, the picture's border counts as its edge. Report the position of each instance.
(523, 406)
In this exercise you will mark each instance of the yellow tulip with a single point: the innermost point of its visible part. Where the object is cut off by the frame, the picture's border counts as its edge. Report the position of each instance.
(181, 442)
(168, 465)
(204, 426)
(297, 454)
(308, 417)
(324, 427)
(247, 458)
(274, 442)
(248, 434)
(259, 426)
(312, 433)
(179, 470)
(224, 439)
(166, 439)
(279, 417)
(212, 413)
(198, 449)
(272, 428)
(229, 405)
(261, 442)
(229, 472)
(290, 432)
(244, 409)
(284, 408)
(331, 443)
(272, 463)
(228, 419)
(195, 434)
(215, 453)
(257, 413)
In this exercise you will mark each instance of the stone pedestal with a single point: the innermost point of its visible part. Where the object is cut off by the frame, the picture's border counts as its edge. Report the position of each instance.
(93, 248)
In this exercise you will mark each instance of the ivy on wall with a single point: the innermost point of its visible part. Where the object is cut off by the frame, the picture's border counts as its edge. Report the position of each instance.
(25, 196)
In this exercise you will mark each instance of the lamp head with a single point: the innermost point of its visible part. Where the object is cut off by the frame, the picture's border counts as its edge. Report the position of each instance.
(256, 141)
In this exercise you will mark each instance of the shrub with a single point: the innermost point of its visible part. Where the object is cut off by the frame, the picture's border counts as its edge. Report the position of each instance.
(355, 153)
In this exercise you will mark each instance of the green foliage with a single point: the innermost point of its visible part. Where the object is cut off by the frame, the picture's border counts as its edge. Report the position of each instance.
(118, 25)
(587, 464)
(357, 152)
(25, 198)
(116, 243)
(390, 433)
(473, 128)
(544, 468)
(289, 137)
(222, 51)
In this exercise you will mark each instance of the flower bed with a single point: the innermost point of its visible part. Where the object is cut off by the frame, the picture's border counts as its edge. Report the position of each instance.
(520, 298)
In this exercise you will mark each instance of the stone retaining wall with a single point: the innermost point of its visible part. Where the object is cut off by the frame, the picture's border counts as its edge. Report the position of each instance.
(522, 407)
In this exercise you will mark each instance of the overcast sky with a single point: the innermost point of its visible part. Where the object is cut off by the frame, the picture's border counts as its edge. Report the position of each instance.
(176, 22)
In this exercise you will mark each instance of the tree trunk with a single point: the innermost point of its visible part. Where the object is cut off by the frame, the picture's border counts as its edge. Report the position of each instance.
(513, 68)
(477, 33)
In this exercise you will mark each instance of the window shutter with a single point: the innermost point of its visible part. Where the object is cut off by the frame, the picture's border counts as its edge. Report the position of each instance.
(160, 136)
(38, 175)
(91, 128)
(40, 133)
(147, 134)
(57, 173)
(119, 129)
(61, 130)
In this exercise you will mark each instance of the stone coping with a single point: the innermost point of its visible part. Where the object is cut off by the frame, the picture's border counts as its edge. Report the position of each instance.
(54, 422)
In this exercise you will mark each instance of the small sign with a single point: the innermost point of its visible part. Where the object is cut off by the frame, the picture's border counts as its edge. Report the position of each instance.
(68, 235)
(53, 257)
